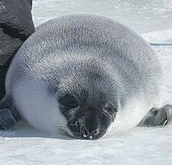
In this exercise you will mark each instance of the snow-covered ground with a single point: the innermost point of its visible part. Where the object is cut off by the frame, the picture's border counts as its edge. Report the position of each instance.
(140, 146)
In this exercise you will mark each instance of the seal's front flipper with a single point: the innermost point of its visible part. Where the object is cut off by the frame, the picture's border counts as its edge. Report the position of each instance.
(9, 117)
(157, 117)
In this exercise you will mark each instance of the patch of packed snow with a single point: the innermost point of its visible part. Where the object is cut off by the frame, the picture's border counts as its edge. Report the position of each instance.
(159, 38)
(140, 146)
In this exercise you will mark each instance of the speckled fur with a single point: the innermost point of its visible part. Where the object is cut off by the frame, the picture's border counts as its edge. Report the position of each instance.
(79, 52)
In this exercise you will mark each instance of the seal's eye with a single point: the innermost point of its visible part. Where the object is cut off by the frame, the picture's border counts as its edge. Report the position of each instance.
(69, 101)
(109, 108)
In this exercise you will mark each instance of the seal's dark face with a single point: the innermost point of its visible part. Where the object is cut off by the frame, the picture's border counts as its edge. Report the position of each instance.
(84, 120)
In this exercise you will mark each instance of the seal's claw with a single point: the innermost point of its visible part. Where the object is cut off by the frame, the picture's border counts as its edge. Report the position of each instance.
(168, 111)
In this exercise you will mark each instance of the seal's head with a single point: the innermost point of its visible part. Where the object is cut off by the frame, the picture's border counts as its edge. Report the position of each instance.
(85, 119)
(88, 103)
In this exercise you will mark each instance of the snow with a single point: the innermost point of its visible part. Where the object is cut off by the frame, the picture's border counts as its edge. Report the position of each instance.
(140, 146)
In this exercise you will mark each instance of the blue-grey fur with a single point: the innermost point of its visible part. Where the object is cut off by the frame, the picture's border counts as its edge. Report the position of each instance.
(88, 52)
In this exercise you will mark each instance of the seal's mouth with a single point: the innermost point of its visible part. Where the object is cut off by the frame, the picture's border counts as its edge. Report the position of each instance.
(85, 134)
(90, 127)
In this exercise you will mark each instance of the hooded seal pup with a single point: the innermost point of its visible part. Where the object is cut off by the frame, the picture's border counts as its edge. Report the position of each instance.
(84, 75)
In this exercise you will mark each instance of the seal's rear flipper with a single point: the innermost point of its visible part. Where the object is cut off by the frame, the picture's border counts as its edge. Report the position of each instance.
(157, 117)
(9, 117)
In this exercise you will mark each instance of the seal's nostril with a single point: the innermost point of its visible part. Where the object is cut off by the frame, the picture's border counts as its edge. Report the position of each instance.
(85, 132)
(94, 133)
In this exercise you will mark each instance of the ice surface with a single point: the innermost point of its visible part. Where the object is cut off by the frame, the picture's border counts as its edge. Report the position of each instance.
(140, 146)
(140, 15)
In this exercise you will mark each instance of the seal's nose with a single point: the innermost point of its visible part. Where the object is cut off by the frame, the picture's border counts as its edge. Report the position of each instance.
(88, 134)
